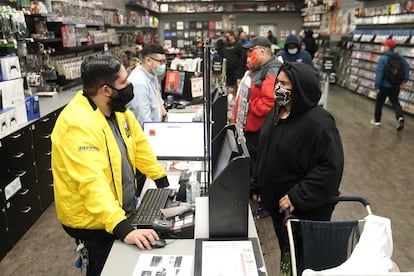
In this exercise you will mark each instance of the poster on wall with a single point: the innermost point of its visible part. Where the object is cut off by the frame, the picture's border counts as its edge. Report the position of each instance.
(245, 28)
(264, 29)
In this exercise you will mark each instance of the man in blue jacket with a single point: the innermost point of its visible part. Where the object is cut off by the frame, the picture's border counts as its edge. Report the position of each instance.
(293, 52)
(385, 88)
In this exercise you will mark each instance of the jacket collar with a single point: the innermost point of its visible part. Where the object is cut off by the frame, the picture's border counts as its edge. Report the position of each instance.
(90, 100)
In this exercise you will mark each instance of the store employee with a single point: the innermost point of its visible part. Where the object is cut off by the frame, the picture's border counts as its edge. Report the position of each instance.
(97, 144)
(147, 104)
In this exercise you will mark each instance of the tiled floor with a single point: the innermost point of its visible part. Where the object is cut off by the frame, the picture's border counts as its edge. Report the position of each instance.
(378, 166)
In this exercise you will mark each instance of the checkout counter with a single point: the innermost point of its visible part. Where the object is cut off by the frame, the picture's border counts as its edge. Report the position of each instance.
(123, 257)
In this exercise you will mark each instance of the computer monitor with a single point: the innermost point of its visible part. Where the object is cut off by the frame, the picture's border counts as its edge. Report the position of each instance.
(176, 140)
(229, 191)
(225, 148)
(183, 91)
(218, 110)
(174, 82)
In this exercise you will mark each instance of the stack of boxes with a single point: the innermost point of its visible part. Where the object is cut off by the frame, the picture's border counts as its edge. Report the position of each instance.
(13, 110)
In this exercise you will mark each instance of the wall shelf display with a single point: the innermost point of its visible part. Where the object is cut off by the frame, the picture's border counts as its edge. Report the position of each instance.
(133, 20)
(227, 6)
(150, 5)
(144, 15)
(374, 25)
(316, 16)
(185, 34)
(61, 35)
(312, 16)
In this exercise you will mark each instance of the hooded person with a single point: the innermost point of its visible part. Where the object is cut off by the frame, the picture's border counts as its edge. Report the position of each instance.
(309, 43)
(300, 156)
(293, 51)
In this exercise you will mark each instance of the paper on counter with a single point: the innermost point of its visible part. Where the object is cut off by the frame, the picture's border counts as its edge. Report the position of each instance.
(165, 265)
(228, 258)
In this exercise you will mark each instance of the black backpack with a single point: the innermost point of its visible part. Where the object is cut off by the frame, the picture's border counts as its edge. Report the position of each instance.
(394, 70)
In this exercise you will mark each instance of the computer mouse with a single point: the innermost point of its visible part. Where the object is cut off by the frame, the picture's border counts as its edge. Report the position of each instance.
(159, 243)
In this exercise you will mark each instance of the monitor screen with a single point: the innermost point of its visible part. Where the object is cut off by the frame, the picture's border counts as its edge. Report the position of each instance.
(177, 84)
(227, 152)
(176, 140)
(174, 82)
(229, 192)
(219, 110)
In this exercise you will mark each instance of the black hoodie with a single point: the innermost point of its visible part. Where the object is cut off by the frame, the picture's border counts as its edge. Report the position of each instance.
(301, 155)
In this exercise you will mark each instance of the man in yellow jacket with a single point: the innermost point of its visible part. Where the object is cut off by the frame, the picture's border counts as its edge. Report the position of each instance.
(97, 145)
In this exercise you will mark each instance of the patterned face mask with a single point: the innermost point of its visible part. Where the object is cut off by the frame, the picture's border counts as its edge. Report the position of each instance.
(282, 96)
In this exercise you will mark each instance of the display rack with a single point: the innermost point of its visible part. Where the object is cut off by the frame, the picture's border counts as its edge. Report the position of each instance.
(313, 16)
(227, 6)
(373, 25)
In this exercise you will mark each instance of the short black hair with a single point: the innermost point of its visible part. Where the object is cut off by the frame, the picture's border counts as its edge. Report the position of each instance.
(99, 70)
(150, 49)
(231, 33)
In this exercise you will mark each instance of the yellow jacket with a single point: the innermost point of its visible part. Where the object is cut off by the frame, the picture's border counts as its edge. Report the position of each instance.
(86, 165)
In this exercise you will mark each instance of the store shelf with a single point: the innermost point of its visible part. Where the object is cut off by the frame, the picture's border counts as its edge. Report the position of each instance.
(48, 40)
(150, 6)
(185, 7)
(373, 25)
(128, 27)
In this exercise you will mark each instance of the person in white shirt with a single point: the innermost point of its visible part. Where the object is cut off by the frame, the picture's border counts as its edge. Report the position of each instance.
(147, 104)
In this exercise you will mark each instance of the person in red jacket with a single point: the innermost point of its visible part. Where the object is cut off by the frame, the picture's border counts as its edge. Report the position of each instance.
(259, 83)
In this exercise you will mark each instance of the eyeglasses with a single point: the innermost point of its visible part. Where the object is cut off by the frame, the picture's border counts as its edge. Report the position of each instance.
(161, 61)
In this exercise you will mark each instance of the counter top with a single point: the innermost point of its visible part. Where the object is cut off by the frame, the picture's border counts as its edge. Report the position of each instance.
(50, 104)
(47, 105)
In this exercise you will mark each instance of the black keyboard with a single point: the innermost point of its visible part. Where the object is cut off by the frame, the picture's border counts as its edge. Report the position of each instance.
(150, 207)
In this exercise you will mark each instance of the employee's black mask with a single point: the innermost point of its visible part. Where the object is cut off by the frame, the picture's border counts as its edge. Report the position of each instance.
(125, 95)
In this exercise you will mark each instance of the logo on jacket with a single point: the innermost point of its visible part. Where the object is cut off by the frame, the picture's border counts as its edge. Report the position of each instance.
(88, 148)
(126, 128)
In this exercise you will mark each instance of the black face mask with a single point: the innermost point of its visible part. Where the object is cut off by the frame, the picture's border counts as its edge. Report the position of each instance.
(125, 95)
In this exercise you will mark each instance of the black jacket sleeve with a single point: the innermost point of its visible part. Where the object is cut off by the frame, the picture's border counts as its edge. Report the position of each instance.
(162, 182)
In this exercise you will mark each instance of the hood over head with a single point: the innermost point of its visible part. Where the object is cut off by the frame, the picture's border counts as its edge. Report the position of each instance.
(292, 39)
(308, 34)
(306, 91)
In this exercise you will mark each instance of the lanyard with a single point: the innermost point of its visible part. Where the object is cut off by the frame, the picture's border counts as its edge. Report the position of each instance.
(157, 93)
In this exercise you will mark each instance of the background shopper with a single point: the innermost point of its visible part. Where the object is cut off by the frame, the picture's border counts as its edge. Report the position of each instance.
(389, 87)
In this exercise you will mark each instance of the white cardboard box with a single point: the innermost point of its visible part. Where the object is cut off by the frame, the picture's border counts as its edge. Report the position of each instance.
(10, 67)
(13, 96)
(5, 117)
